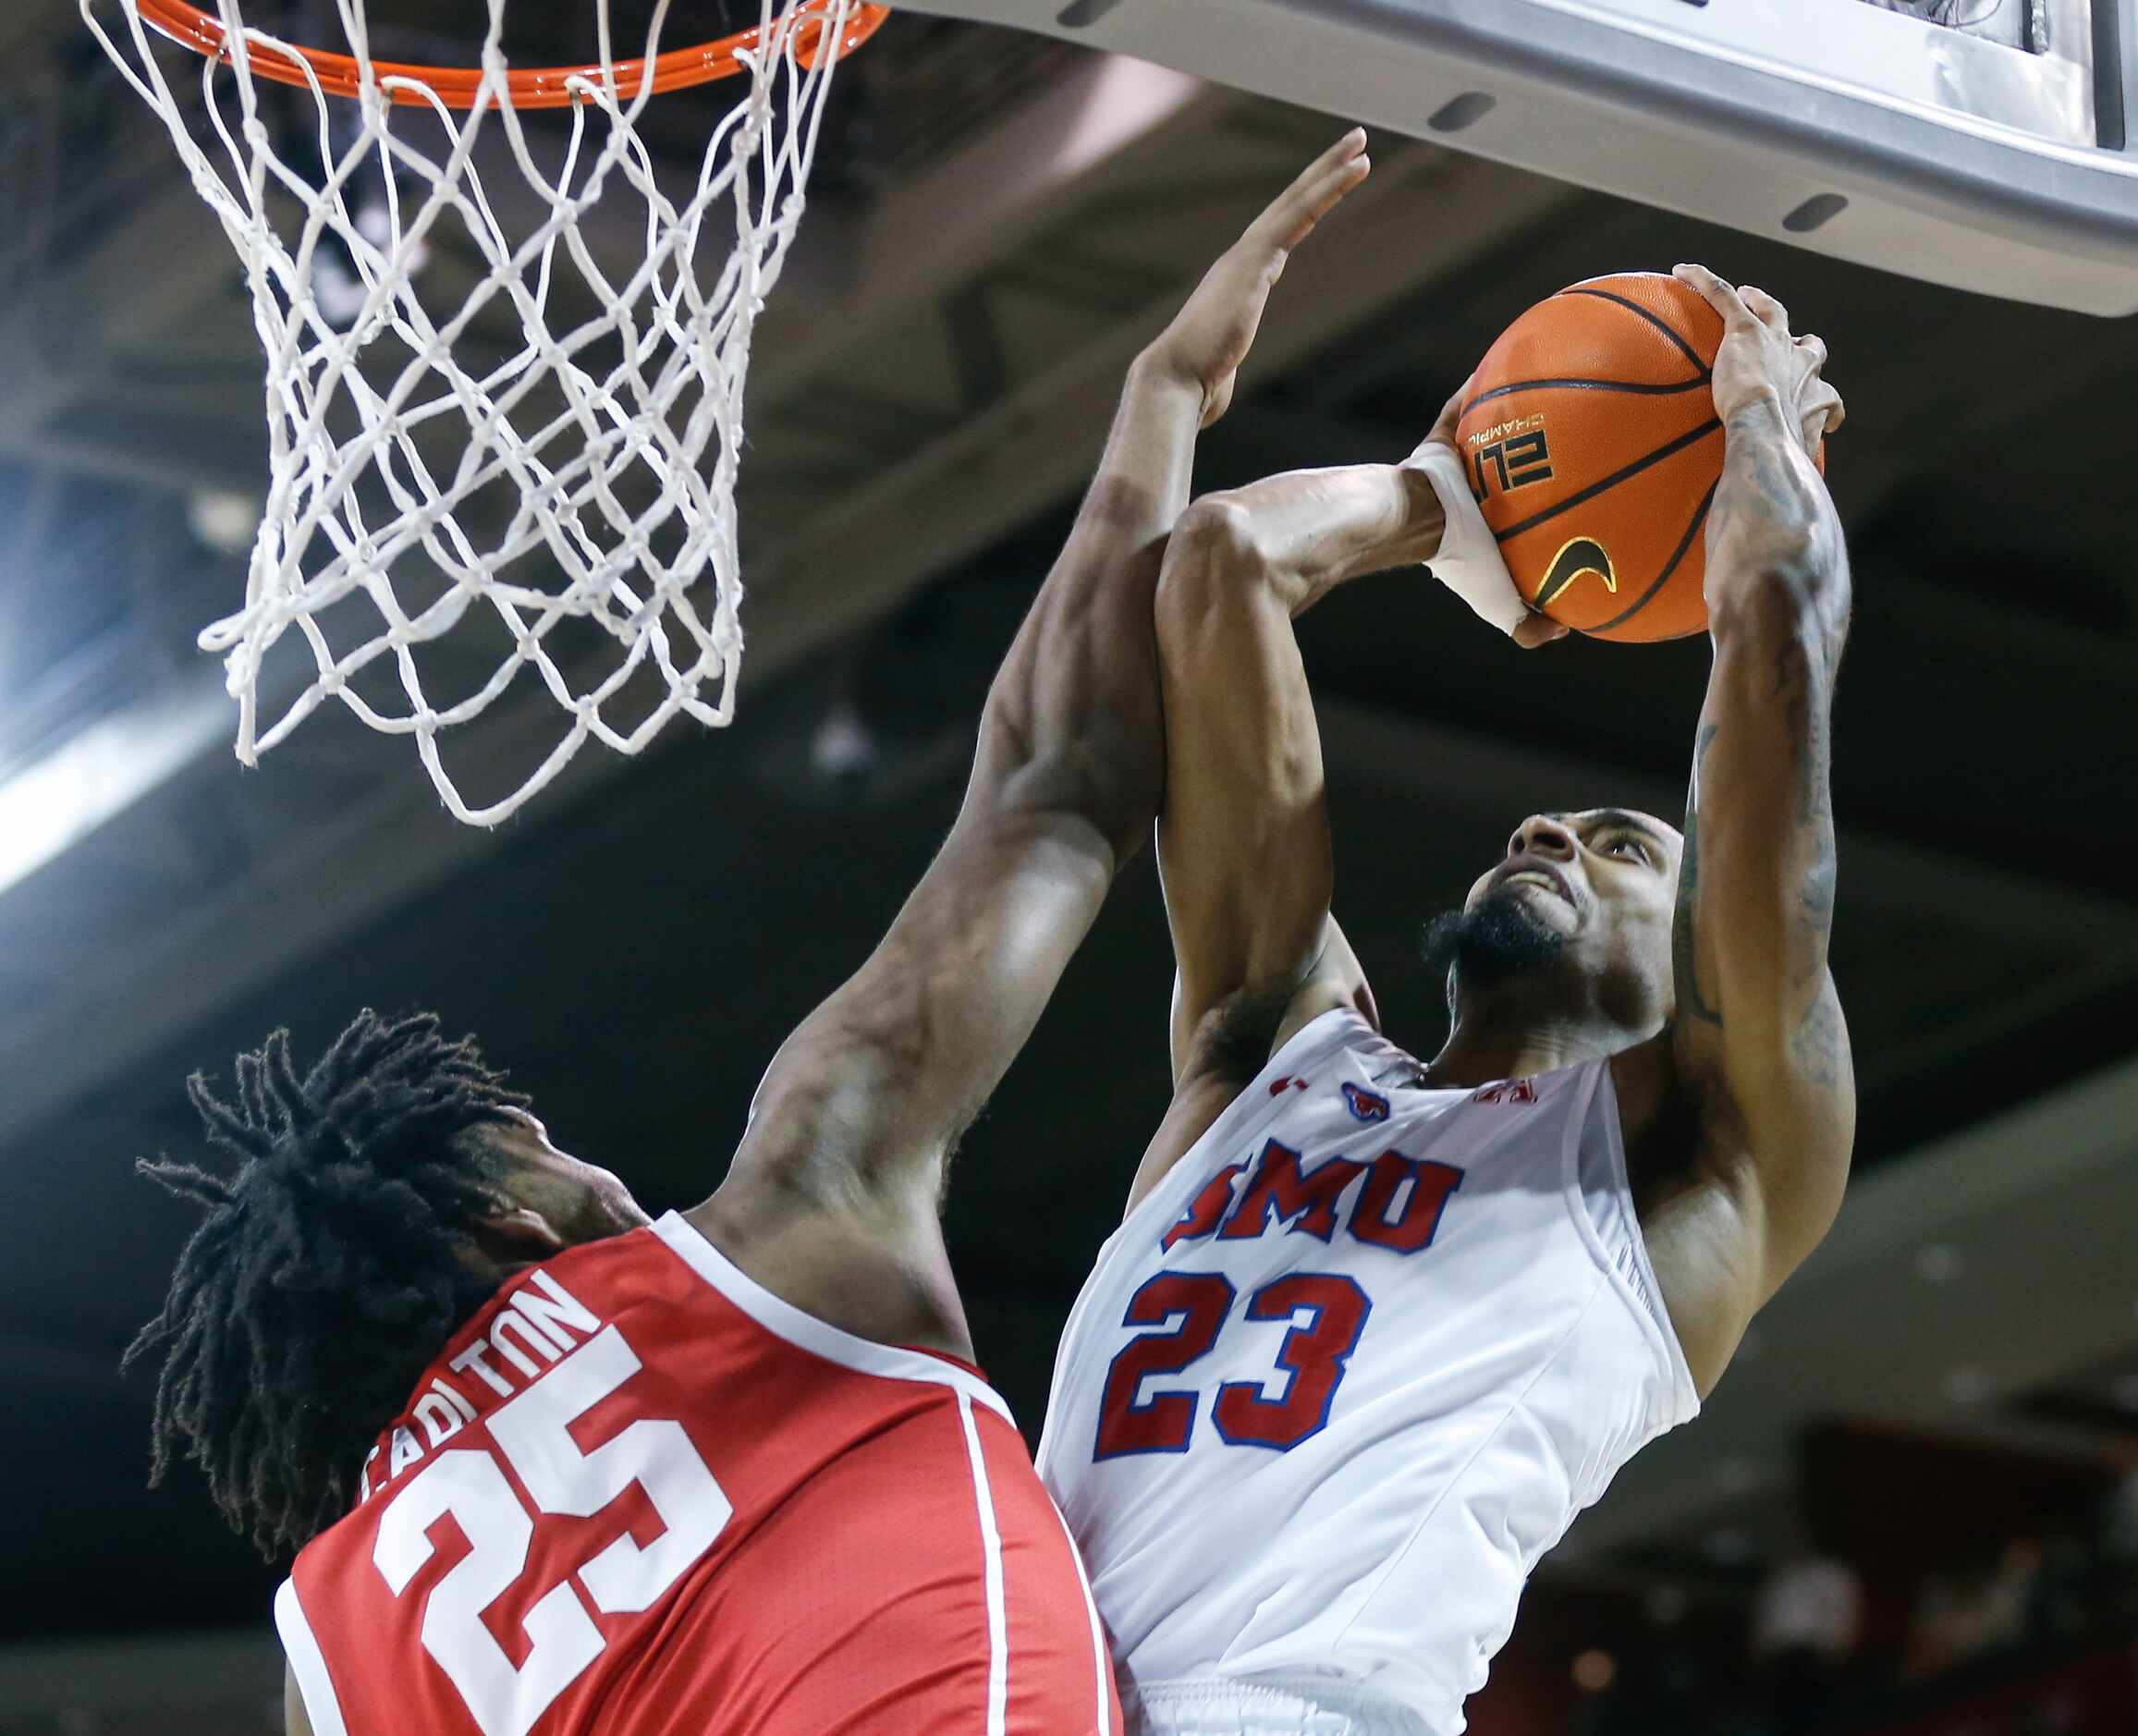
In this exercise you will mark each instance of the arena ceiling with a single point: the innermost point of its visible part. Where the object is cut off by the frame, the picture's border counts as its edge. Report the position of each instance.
(1001, 223)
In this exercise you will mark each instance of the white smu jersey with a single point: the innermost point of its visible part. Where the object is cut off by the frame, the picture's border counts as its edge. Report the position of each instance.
(1347, 1373)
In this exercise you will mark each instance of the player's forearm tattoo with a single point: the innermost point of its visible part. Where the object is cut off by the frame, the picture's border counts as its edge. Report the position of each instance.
(1773, 539)
(1804, 684)
(1786, 532)
(1691, 1003)
(1804, 689)
(1818, 1045)
(1765, 506)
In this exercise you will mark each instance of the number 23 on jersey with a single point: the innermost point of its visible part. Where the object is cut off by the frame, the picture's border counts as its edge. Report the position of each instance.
(1397, 1208)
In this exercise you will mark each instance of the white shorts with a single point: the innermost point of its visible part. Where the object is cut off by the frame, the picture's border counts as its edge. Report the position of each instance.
(1263, 1705)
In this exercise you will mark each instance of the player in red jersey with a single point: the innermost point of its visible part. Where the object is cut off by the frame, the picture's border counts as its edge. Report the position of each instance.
(551, 1468)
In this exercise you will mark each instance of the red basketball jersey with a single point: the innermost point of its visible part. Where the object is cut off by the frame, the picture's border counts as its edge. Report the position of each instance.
(640, 1495)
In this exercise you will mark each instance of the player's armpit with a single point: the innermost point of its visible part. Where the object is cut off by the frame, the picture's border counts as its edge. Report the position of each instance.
(1703, 1212)
(1235, 1040)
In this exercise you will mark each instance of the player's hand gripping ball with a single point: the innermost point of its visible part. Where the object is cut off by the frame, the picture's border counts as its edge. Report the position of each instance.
(1593, 443)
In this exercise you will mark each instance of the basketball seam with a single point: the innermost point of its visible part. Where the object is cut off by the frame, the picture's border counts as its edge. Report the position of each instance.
(1661, 324)
(1633, 387)
(1671, 565)
(1713, 426)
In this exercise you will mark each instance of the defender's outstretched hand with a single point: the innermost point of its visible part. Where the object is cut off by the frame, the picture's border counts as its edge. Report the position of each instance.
(833, 1199)
(1759, 355)
(1211, 335)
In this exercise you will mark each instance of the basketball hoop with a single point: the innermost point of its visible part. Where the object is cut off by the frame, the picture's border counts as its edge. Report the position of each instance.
(584, 475)
(460, 86)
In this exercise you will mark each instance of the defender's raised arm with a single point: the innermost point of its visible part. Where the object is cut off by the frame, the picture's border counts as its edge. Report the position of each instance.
(865, 1100)
(1758, 1037)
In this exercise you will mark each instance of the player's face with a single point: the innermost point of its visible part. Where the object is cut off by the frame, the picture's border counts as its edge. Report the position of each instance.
(579, 1201)
(1603, 884)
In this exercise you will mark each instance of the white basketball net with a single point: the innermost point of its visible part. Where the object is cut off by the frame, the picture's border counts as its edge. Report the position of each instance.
(598, 427)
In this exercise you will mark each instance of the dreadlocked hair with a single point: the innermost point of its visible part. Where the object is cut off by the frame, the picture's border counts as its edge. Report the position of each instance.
(326, 1274)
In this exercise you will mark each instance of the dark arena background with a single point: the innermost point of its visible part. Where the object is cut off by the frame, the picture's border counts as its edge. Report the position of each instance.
(1912, 1510)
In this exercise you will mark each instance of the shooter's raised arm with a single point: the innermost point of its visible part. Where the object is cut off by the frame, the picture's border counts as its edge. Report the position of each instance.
(1758, 1037)
(1244, 841)
(863, 1102)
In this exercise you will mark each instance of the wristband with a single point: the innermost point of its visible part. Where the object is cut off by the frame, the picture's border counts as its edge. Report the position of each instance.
(1468, 561)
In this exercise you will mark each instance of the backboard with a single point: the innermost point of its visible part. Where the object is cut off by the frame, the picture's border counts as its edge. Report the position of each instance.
(1996, 157)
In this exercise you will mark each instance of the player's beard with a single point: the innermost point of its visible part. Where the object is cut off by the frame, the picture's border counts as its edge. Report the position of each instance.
(1496, 939)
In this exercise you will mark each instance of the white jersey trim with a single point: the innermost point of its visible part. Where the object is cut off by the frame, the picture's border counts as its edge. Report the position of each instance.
(1645, 1298)
(819, 1337)
(991, 1549)
(1267, 1701)
(308, 1664)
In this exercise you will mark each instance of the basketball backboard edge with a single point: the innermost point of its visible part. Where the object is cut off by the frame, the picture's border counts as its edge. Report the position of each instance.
(1690, 107)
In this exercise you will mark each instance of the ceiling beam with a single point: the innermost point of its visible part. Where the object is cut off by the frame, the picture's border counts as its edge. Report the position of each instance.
(1107, 123)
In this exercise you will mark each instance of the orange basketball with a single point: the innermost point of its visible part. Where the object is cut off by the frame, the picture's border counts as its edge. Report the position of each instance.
(1594, 448)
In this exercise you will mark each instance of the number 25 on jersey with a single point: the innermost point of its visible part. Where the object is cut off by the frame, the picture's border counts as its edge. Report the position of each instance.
(533, 1435)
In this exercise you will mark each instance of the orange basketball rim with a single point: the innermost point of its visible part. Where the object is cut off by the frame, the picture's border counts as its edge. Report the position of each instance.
(533, 87)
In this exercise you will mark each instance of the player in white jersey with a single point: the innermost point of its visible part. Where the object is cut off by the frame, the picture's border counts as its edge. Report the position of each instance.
(1374, 1330)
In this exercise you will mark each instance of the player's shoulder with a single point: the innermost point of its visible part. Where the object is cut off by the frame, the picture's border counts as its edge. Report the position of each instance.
(628, 1261)
(1231, 1066)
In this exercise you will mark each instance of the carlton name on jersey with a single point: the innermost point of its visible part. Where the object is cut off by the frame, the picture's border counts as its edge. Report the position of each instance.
(537, 1325)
